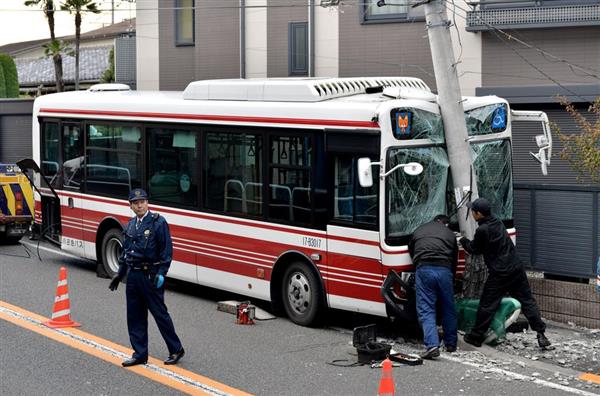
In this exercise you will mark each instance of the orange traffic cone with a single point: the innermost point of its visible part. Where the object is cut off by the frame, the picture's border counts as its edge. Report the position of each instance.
(386, 385)
(61, 313)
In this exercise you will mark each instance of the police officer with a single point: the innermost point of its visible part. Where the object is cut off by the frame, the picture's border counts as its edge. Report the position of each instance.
(146, 257)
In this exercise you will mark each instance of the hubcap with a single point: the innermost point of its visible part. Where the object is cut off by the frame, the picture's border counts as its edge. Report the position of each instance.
(298, 292)
(113, 251)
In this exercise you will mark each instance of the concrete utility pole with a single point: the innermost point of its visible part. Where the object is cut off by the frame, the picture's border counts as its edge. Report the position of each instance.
(453, 114)
(455, 127)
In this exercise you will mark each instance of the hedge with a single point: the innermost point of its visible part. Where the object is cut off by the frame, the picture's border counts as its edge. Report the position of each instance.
(11, 78)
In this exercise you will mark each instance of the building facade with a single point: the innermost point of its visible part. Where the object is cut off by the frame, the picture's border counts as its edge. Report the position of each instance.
(525, 51)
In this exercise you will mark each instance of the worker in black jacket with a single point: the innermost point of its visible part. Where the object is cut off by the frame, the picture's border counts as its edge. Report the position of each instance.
(506, 274)
(434, 252)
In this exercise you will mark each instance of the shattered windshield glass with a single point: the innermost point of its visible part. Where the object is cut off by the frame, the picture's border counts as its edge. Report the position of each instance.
(492, 162)
(412, 123)
(414, 200)
(487, 119)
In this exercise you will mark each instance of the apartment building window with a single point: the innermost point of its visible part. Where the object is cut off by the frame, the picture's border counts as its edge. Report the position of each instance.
(298, 49)
(382, 11)
(184, 22)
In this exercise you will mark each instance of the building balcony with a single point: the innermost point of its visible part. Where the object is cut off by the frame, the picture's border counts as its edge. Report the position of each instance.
(530, 15)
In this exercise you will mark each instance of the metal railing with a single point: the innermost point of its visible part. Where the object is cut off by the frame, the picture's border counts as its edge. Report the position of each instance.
(529, 17)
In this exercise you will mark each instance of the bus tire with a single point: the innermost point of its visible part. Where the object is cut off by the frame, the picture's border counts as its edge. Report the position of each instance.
(302, 295)
(112, 245)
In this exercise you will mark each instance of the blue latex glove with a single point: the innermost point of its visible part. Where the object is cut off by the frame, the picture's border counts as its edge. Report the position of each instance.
(158, 281)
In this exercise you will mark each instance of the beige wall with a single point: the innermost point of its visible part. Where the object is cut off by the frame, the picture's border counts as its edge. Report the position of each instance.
(147, 45)
(467, 50)
(256, 39)
(326, 41)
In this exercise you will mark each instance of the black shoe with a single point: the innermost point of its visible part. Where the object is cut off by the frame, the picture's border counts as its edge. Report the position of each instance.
(133, 362)
(451, 349)
(470, 339)
(543, 342)
(431, 353)
(174, 358)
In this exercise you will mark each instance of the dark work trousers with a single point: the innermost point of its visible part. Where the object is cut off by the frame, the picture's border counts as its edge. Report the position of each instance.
(434, 284)
(142, 297)
(496, 287)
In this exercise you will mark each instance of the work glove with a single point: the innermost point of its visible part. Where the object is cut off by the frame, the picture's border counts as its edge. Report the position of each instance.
(158, 281)
(114, 283)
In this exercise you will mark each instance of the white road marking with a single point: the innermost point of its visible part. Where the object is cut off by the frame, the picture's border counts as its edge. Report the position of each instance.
(110, 351)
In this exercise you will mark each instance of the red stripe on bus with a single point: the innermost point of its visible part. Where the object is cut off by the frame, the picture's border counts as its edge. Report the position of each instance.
(212, 117)
(225, 220)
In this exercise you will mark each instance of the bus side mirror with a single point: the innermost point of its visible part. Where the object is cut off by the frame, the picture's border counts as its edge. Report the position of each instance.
(365, 174)
(544, 142)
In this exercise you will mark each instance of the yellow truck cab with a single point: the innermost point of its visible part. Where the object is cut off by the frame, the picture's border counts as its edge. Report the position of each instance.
(16, 203)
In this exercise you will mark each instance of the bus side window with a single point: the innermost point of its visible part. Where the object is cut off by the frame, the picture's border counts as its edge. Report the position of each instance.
(290, 195)
(353, 203)
(50, 150)
(233, 179)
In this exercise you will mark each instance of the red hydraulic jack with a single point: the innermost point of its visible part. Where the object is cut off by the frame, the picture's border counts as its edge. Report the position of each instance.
(245, 313)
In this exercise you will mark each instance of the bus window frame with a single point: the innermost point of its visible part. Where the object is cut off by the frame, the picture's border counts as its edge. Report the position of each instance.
(42, 121)
(87, 122)
(290, 132)
(78, 123)
(397, 241)
(197, 130)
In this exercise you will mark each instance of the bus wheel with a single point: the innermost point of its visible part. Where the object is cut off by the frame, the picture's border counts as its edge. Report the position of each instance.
(302, 294)
(112, 246)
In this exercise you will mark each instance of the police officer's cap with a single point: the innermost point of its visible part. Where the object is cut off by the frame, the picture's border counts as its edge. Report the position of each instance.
(481, 205)
(137, 194)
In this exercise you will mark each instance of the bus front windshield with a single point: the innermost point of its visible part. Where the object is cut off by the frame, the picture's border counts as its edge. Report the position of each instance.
(414, 200)
(493, 163)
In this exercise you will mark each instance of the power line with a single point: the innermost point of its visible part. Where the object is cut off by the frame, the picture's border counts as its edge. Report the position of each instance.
(497, 32)
(527, 45)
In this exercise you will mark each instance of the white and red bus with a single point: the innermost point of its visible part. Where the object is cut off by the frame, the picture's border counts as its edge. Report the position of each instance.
(258, 180)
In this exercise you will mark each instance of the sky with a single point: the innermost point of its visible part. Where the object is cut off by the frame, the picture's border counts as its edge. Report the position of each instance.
(20, 23)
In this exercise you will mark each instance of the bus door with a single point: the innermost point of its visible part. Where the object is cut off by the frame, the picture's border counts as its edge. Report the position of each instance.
(354, 257)
(71, 212)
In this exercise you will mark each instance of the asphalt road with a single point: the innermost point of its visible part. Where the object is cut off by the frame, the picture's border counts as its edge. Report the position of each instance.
(274, 357)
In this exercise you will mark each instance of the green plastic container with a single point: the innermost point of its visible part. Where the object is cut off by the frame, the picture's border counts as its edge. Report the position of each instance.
(507, 313)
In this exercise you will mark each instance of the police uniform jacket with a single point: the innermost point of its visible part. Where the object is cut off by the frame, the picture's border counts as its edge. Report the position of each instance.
(147, 245)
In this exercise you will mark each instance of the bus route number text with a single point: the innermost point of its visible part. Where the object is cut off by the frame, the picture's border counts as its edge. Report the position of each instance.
(311, 242)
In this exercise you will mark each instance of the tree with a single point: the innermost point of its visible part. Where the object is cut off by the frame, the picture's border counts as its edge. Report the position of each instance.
(76, 7)
(54, 49)
(11, 78)
(109, 74)
(48, 9)
(582, 150)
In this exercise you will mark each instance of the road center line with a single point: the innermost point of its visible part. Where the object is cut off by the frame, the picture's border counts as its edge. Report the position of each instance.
(521, 377)
(174, 377)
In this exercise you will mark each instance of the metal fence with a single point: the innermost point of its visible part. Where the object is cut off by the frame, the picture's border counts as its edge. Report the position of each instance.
(558, 228)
